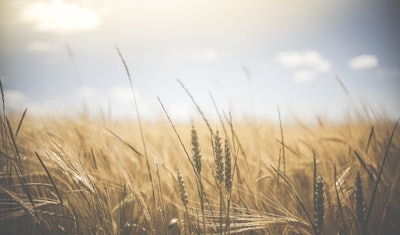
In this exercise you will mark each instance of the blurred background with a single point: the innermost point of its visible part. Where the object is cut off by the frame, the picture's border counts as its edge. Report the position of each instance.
(252, 56)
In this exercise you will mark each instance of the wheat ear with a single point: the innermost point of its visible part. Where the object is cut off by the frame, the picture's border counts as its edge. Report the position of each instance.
(360, 203)
(319, 205)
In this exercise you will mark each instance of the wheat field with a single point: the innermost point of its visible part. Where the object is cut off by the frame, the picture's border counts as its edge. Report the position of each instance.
(91, 175)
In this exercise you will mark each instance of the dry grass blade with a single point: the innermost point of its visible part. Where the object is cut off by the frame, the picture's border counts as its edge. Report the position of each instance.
(140, 122)
(15, 147)
(20, 122)
(287, 147)
(334, 139)
(283, 145)
(21, 173)
(360, 204)
(50, 177)
(228, 182)
(2, 97)
(372, 200)
(338, 199)
(314, 170)
(126, 143)
(263, 178)
(198, 177)
(28, 208)
(219, 114)
(10, 158)
(235, 139)
(393, 194)
(2, 117)
(243, 219)
(2, 126)
(247, 73)
(197, 106)
(297, 197)
(283, 153)
(371, 134)
(125, 66)
(370, 171)
(177, 134)
(346, 91)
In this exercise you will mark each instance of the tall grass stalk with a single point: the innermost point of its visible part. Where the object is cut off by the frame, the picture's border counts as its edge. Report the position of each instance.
(184, 197)
(197, 107)
(139, 121)
(385, 156)
(319, 203)
(360, 204)
(342, 228)
(196, 155)
(50, 178)
(219, 175)
(283, 153)
(297, 197)
(20, 122)
(2, 117)
(228, 183)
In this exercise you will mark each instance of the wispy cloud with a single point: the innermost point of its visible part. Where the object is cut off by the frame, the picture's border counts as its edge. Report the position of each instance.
(308, 64)
(60, 16)
(364, 62)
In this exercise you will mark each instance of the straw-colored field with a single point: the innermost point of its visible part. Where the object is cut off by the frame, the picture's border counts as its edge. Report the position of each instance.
(96, 176)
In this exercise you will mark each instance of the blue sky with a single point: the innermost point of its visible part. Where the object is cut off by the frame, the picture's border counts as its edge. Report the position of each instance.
(56, 56)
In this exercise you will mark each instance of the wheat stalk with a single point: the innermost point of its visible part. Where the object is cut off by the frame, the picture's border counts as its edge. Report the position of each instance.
(360, 203)
(196, 155)
(196, 152)
(228, 180)
(319, 205)
(182, 188)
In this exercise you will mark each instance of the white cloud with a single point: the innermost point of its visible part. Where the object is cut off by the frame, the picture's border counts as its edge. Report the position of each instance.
(60, 16)
(364, 62)
(308, 64)
(308, 58)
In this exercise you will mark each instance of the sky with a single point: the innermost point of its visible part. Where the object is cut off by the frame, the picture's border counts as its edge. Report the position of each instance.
(252, 56)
